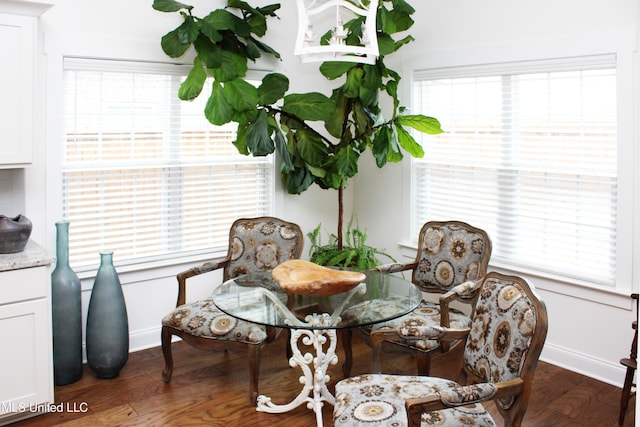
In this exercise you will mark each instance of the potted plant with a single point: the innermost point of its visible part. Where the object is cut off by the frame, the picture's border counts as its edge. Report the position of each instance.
(271, 120)
(355, 254)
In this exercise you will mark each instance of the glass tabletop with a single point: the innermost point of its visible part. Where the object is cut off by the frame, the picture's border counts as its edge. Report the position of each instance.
(258, 298)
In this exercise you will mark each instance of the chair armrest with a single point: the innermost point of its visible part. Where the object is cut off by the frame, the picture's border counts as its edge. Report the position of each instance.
(195, 271)
(459, 396)
(433, 332)
(395, 267)
(465, 291)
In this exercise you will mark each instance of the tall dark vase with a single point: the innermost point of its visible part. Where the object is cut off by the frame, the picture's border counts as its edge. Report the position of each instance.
(107, 322)
(66, 313)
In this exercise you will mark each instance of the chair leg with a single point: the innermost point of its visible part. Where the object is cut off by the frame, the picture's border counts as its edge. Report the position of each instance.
(345, 336)
(626, 394)
(253, 352)
(167, 372)
(376, 346)
(424, 364)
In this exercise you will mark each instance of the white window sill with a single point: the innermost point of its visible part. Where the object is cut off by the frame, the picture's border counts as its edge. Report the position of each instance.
(616, 297)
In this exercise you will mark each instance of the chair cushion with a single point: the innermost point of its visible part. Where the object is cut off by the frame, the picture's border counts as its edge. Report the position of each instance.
(203, 319)
(426, 314)
(378, 399)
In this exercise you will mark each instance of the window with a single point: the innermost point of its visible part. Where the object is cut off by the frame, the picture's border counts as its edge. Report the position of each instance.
(144, 174)
(530, 155)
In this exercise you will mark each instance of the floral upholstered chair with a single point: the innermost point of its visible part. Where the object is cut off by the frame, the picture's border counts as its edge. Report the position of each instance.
(508, 331)
(451, 261)
(255, 244)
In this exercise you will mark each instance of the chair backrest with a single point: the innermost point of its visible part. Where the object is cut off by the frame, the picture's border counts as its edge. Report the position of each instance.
(450, 253)
(508, 330)
(257, 244)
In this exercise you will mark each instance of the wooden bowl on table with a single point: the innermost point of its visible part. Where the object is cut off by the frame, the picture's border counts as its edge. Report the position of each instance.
(306, 278)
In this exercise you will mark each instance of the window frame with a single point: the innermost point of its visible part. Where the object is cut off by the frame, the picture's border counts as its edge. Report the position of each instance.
(620, 43)
(101, 48)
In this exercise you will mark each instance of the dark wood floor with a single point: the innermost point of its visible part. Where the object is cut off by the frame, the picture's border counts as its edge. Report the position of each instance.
(209, 389)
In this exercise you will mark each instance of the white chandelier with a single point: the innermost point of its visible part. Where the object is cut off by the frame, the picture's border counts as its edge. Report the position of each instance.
(329, 15)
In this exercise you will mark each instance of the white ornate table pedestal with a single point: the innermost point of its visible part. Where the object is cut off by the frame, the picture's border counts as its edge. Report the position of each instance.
(317, 330)
(314, 368)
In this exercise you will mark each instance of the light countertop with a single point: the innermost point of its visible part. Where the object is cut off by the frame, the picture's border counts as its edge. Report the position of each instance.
(33, 255)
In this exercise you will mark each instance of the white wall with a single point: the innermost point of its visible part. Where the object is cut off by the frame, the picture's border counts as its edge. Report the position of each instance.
(589, 331)
(584, 335)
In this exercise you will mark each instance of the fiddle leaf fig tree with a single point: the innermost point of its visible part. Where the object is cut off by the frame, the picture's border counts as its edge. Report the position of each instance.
(272, 120)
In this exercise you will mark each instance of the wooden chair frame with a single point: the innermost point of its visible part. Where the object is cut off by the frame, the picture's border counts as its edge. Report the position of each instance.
(225, 263)
(382, 340)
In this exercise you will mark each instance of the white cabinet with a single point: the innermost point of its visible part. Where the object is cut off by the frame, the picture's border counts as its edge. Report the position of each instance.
(26, 366)
(18, 38)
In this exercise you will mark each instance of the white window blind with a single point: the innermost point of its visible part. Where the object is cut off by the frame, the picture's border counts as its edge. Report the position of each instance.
(529, 154)
(144, 174)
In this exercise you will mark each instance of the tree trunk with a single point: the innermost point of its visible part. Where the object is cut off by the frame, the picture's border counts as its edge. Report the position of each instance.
(340, 214)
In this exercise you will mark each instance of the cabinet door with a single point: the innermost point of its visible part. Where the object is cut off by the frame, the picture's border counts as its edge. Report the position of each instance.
(25, 359)
(17, 38)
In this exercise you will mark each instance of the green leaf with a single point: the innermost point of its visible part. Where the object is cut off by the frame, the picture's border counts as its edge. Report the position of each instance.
(273, 87)
(244, 116)
(191, 87)
(208, 52)
(208, 31)
(386, 45)
(188, 31)
(310, 147)
(317, 172)
(253, 52)
(392, 88)
(363, 120)
(241, 139)
(331, 180)
(394, 21)
(309, 106)
(424, 124)
(233, 65)
(265, 48)
(403, 7)
(218, 110)
(372, 77)
(258, 141)
(268, 10)
(354, 80)
(346, 161)
(368, 98)
(222, 19)
(394, 153)
(286, 164)
(241, 94)
(407, 142)
(402, 42)
(334, 69)
(298, 181)
(174, 43)
(380, 146)
(335, 123)
(170, 5)
(258, 24)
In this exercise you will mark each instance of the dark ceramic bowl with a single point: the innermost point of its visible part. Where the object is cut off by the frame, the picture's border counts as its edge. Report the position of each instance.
(14, 233)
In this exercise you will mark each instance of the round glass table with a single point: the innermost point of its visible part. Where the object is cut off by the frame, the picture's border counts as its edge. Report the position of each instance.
(313, 321)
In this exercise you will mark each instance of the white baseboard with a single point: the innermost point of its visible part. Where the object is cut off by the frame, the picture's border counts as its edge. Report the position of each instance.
(601, 370)
(144, 339)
